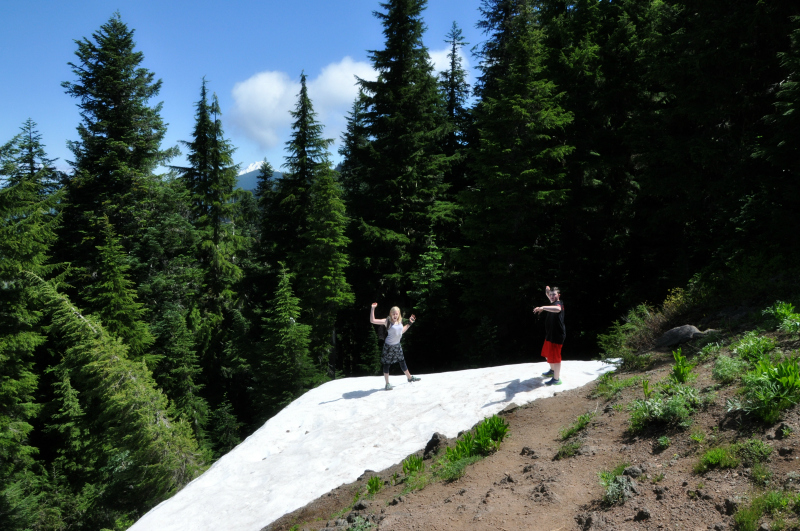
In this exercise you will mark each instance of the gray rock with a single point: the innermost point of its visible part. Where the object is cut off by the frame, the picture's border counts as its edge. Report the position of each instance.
(632, 471)
(591, 521)
(783, 451)
(678, 336)
(720, 526)
(526, 450)
(361, 505)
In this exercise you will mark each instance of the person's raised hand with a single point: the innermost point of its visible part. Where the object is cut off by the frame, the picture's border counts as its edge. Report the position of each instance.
(412, 318)
(374, 304)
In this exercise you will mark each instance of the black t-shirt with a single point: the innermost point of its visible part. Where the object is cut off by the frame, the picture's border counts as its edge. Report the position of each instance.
(554, 330)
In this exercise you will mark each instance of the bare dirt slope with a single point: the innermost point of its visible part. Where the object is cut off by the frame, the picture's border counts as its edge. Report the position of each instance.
(515, 489)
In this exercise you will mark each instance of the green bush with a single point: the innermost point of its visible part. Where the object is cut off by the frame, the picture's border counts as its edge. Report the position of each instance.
(662, 443)
(361, 524)
(488, 436)
(708, 351)
(452, 470)
(568, 450)
(784, 318)
(413, 464)
(720, 457)
(615, 485)
(760, 475)
(580, 423)
(769, 389)
(753, 451)
(674, 408)
(682, 370)
(374, 485)
(609, 385)
(727, 369)
(753, 347)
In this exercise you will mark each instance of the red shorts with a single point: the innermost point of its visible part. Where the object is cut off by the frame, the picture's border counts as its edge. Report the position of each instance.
(551, 352)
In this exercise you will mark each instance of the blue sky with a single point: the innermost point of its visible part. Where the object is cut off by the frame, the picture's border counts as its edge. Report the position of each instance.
(251, 53)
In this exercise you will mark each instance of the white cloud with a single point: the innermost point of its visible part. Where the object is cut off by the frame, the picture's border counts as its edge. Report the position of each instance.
(262, 102)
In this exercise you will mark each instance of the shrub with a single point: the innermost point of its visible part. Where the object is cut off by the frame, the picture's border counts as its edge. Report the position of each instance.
(769, 390)
(674, 410)
(609, 385)
(783, 317)
(753, 451)
(662, 443)
(580, 423)
(360, 524)
(727, 369)
(753, 347)
(568, 450)
(617, 486)
(760, 475)
(452, 470)
(488, 436)
(374, 485)
(708, 351)
(720, 457)
(413, 464)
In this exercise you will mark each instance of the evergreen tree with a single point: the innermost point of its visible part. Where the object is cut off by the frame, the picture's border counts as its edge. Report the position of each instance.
(402, 193)
(354, 140)
(116, 469)
(24, 157)
(119, 137)
(322, 265)
(284, 367)
(511, 212)
(454, 86)
(27, 230)
(112, 297)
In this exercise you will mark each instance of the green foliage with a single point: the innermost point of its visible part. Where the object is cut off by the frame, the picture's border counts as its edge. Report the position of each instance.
(769, 389)
(753, 346)
(580, 423)
(719, 457)
(646, 390)
(760, 475)
(486, 440)
(615, 485)
(413, 464)
(374, 485)
(568, 450)
(727, 369)
(662, 443)
(360, 524)
(674, 407)
(772, 502)
(682, 369)
(609, 385)
(452, 470)
(753, 451)
(784, 317)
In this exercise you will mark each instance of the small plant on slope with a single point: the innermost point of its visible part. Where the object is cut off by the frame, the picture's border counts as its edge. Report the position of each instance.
(682, 370)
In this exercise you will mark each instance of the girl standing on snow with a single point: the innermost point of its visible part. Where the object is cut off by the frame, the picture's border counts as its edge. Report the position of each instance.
(392, 351)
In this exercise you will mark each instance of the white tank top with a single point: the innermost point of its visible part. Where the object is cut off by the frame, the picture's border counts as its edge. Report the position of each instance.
(393, 334)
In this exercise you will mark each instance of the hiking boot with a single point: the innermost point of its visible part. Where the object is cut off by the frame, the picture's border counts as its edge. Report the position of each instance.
(553, 381)
(413, 379)
(548, 374)
(389, 386)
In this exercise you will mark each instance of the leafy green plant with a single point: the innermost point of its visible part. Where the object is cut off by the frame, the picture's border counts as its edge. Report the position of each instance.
(452, 470)
(615, 484)
(784, 317)
(610, 385)
(786, 431)
(769, 389)
(698, 436)
(580, 423)
(658, 477)
(753, 346)
(708, 351)
(662, 443)
(568, 450)
(753, 451)
(361, 524)
(412, 465)
(462, 449)
(682, 370)
(489, 434)
(727, 369)
(760, 475)
(676, 409)
(719, 457)
(374, 485)
(646, 391)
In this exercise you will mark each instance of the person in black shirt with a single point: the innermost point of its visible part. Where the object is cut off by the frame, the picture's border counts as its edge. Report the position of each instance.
(555, 332)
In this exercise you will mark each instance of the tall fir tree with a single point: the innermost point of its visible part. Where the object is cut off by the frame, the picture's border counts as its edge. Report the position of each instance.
(283, 367)
(211, 181)
(512, 217)
(24, 157)
(112, 297)
(120, 137)
(402, 194)
(28, 221)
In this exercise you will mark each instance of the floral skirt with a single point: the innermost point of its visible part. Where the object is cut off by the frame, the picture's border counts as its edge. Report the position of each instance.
(392, 354)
